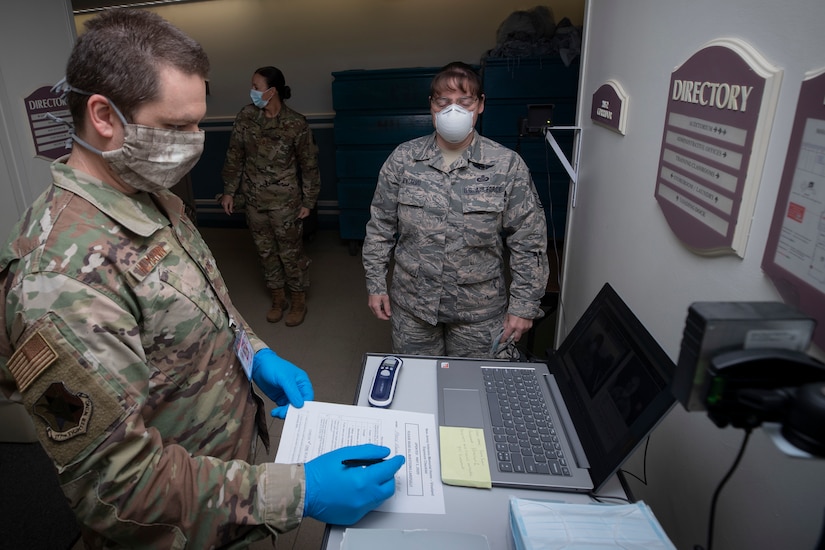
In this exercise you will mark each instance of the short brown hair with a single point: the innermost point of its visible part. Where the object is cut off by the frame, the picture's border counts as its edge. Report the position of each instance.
(457, 76)
(119, 56)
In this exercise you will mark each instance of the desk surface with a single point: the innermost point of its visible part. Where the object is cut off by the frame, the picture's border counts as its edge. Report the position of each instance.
(470, 510)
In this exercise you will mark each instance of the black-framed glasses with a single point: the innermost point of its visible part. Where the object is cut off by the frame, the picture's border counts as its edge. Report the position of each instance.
(465, 101)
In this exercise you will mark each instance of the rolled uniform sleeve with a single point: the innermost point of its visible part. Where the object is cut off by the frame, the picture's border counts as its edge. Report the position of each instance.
(281, 495)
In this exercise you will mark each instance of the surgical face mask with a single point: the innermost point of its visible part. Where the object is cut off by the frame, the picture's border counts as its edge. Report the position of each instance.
(454, 123)
(258, 98)
(151, 159)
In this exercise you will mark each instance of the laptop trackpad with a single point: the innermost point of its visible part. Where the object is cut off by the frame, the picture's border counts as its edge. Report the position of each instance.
(463, 408)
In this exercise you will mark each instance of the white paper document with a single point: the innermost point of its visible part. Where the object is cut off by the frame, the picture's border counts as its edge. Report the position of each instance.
(317, 428)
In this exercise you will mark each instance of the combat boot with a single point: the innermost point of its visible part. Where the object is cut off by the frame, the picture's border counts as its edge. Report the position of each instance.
(279, 304)
(297, 309)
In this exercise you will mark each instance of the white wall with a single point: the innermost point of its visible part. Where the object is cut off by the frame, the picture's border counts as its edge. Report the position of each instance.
(35, 39)
(309, 39)
(617, 233)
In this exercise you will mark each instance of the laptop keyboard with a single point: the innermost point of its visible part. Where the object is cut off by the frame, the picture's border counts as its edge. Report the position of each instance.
(525, 438)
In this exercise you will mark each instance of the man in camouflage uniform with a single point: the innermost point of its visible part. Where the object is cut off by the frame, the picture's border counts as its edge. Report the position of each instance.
(272, 161)
(451, 205)
(117, 332)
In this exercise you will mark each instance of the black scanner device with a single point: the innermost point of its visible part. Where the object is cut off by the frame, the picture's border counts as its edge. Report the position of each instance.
(752, 386)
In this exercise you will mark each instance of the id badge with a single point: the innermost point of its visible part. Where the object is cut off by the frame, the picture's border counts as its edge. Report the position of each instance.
(244, 351)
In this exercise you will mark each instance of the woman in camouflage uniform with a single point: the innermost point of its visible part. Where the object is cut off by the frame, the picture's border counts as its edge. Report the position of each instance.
(449, 208)
(272, 162)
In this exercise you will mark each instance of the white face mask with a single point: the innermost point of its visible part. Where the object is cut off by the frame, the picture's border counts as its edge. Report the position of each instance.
(454, 123)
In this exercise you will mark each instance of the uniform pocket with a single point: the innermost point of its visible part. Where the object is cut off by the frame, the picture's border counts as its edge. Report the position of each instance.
(482, 219)
(196, 291)
(411, 204)
(180, 313)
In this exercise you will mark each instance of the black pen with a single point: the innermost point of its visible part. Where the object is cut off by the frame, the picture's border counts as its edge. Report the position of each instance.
(361, 461)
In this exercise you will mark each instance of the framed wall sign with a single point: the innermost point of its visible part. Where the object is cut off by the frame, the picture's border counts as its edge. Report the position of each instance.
(52, 139)
(795, 253)
(720, 109)
(609, 107)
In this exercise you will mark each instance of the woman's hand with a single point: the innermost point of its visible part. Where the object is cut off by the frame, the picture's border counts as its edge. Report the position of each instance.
(228, 204)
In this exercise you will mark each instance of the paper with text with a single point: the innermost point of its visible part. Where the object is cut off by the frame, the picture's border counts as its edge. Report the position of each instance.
(317, 428)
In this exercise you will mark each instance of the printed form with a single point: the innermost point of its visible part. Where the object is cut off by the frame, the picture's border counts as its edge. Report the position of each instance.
(317, 428)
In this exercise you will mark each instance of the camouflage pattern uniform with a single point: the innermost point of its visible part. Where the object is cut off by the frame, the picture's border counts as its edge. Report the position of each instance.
(117, 337)
(273, 163)
(453, 224)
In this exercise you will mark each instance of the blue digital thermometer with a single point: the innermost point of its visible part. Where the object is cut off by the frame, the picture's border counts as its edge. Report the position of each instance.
(384, 382)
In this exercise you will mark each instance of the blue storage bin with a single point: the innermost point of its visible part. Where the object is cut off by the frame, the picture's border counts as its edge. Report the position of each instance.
(356, 193)
(353, 223)
(529, 77)
(380, 128)
(368, 90)
(376, 110)
(354, 162)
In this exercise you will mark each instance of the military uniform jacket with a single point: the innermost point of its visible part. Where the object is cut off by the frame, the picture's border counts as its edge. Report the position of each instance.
(116, 336)
(273, 162)
(449, 227)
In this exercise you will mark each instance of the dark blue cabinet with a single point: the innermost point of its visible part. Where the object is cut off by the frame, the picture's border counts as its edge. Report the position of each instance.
(375, 111)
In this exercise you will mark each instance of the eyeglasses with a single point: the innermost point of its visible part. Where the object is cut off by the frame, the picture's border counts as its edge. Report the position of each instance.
(442, 102)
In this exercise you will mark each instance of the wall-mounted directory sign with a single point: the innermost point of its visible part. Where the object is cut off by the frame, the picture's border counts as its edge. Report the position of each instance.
(795, 254)
(51, 137)
(609, 107)
(720, 109)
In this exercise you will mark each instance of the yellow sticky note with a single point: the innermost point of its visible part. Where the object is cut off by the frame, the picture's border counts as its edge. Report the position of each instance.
(464, 457)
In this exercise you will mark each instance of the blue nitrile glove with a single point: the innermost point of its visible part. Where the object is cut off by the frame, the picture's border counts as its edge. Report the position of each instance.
(281, 381)
(344, 494)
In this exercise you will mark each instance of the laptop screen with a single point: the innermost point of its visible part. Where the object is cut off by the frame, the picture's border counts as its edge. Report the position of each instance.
(615, 379)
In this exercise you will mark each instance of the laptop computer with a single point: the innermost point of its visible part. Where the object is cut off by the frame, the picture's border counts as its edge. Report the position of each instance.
(605, 389)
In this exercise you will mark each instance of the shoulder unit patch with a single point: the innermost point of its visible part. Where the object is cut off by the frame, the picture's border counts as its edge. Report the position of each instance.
(66, 414)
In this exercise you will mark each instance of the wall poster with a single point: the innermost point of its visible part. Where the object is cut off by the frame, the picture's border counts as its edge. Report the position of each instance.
(795, 254)
(720, 110)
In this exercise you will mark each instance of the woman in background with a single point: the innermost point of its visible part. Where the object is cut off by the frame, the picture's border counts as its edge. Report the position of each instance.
(272, 162)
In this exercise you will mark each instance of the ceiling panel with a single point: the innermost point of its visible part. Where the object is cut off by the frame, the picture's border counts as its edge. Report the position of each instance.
(83, 6)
